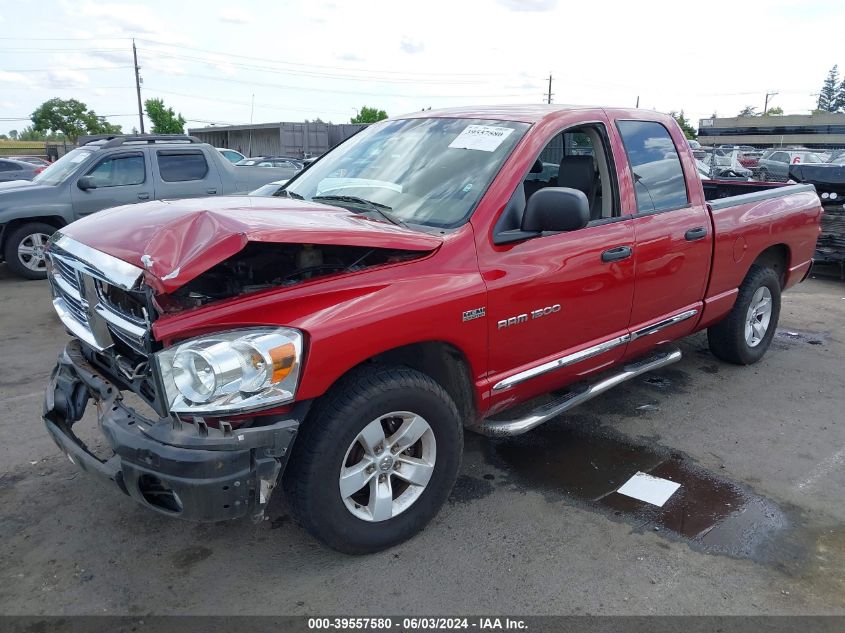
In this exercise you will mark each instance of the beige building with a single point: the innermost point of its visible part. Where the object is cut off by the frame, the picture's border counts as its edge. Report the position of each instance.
(825, 129)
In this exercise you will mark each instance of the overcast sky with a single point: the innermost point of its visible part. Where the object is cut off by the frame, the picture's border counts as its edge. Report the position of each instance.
(303, 59)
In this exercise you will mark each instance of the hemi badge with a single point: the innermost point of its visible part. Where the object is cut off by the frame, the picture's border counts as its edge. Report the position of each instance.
(475, 313)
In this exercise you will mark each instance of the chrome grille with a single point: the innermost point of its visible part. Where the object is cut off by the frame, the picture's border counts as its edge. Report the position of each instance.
(81, 302)
(67, 272)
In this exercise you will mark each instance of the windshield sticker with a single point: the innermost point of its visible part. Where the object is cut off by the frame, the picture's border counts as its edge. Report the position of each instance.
(485, 138)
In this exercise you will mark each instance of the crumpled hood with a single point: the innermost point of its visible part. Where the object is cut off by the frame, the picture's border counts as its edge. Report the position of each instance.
(174, 241)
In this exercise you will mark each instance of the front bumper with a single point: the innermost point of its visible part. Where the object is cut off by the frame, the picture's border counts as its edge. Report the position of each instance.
(191, 471)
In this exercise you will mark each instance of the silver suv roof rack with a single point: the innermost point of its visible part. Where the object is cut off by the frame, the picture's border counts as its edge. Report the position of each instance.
(106, 141)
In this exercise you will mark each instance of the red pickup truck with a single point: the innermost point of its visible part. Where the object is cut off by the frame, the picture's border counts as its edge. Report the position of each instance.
(434, 273)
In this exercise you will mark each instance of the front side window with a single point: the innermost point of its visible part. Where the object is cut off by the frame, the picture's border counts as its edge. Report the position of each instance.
(577, 158)
(429, 172)
(780, 157)
(119, 171)
(176, 166)
(658, 177)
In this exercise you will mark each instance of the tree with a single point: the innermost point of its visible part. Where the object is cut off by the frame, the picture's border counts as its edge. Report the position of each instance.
(776, 111)
(687, 128)
(748, 111)
(368, 115)
(165, 120)
(828, 94)
(13, 134)
(839, 104)
(70, 117)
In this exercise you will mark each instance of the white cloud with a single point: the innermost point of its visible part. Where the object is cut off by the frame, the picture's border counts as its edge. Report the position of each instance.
(233, 15)
(411, 46)
(134, 18)
(15, 78)
(529, 5)
(66, 79)
(350, 57)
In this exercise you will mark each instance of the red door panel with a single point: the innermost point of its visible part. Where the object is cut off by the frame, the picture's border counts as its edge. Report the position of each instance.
(565, 270)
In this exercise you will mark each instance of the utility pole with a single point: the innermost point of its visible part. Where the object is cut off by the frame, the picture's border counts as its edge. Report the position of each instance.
(138, 85)
(766, 102)
(638, 101)
(549, 94)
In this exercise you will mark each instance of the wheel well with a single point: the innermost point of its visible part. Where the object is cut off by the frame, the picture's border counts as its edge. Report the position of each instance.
(53, 220)
(443, 362)
(777, 258)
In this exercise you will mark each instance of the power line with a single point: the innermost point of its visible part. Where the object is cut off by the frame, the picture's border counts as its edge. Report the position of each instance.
(344, 68)
(351, 92)
(55, 68)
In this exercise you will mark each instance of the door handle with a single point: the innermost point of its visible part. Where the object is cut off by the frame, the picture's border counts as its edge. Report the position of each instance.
(616, 253)
(695, 234)
(143, 196)
(212, 191)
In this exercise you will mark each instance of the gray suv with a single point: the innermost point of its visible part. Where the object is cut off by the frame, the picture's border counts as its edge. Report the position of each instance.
(108, 172)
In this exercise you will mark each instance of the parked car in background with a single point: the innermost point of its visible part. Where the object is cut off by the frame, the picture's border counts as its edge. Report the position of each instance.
(697, 151)
(33, 160)
(338, 345)
(774, 164)
(274, 188)
(18, 170)
(231, 155)
(107, 172)
(750, 157)
(270, 161)
(724, 163)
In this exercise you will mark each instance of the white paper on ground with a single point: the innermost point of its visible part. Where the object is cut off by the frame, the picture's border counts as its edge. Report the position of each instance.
(648, 488)
(485, 138)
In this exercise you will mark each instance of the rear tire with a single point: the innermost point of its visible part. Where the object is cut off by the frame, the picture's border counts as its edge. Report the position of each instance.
(361, 430)
(24, 250)
(745, 334)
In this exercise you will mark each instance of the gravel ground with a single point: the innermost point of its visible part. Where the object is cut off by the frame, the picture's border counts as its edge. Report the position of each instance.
(760, 450)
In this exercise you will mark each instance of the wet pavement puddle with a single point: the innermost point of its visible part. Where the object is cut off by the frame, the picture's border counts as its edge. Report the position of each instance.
(576, 459)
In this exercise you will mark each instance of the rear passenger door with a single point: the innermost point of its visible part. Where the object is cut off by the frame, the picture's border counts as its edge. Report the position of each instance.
(120, 178)
(185, 173)
(673, 236)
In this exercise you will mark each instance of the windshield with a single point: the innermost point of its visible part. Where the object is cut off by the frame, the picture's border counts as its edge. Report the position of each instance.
(62, 168)
(420, 171)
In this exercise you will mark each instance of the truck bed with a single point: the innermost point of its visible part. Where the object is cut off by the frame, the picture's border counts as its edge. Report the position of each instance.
(718, 189)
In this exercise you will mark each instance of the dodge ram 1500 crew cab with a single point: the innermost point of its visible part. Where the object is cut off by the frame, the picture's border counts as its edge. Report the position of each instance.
(424, 277)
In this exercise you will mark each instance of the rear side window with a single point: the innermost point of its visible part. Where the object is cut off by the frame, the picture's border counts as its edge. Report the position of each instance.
(658, 177)
(174, 166)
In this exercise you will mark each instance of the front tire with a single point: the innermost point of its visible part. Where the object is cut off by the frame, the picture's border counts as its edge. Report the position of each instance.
(24, 250)
(376, 460)
(745, 334)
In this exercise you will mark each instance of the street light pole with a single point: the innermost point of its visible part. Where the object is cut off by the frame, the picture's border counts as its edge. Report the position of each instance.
(138, 85)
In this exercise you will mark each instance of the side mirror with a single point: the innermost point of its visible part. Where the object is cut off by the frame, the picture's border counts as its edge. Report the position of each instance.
(556, 209)
(85, 183)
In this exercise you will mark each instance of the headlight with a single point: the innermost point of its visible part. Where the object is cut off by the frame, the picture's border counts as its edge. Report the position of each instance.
(232, 371)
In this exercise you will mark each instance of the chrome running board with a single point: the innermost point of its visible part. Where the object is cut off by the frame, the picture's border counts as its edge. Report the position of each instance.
(543, 413)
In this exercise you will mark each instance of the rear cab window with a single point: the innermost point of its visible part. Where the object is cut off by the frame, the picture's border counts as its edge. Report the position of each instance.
(181, 165)
(659, 181)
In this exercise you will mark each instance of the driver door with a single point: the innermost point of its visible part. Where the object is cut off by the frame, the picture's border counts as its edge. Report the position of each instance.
(559, 304)
(121, 178)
